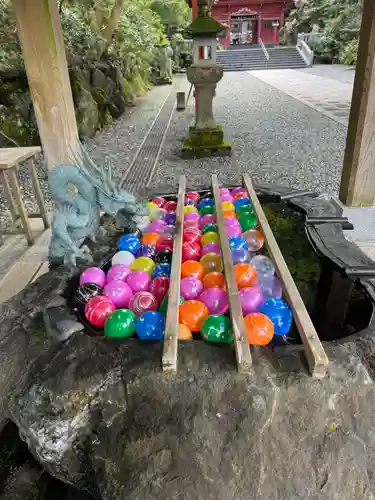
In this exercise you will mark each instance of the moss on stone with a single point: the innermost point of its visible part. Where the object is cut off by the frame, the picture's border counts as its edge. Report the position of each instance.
(191, 150)
(205, 26)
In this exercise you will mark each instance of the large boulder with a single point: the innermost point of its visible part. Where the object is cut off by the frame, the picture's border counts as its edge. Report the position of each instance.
(87, 112)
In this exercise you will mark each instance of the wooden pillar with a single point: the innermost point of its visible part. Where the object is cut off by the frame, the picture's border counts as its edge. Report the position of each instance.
(358, 176)
(43, 49)
(194, 9)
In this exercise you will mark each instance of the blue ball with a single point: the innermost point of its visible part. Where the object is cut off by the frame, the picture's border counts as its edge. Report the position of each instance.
(279, 313)
(238, 242)
(146, 251)
(205, 203)
(240, 256)
(163, 269)
(129, 243)
(150, 326)
(242, 202)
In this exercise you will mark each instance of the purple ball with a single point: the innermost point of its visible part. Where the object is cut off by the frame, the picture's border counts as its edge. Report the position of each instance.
(233, 231)
(211, 248)
(226, 197)
(118, 272)
(238, 190)
(271, 287)
(169, 229)
(156, 226)
(119, 292)
(93, 275)
(190, 288)
(146, 251)
(240, 256)
(139, 281)
(251, 300)
(207, 219)
(190, 202)
(215, 299)
(170, 219)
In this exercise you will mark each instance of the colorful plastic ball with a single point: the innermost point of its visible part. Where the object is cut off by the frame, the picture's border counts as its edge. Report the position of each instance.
(191, 251)
(151, 208)
(184, 332)
(192, 217)
(226, 197)
(93, 275)
(139, 281)
(259, 329)
(123, 257)
(119, 292)
(150, 326)
(142, 302)
(214, 280)
(160, 287)
(170, 219)
(150, 239)
(212, 262)
(169, 230)
(158, 201)
(170, 207)
(193, 269)
(120, 325)
(241, 195)
(231, 221)
(206, 203)
(146, 251)
(238, 242)
(211, 248)
(156, 226)
(118, 272)
(247, 221)
(271, 287)
(189, 202)
(254, 239)
(237, 189)
(227, 205)
(251, 300)
(215, 299)
(84, 293)
(242, 202)
(207, 219)
(190, 288)
(240, 256)
(210, 228)
(191, 234)
(280, 314)
(245, 211)
(229, 213)
(263, 265)
(192, 313)
(158, 214)
(166, 242)
(194, 195)
(143, 264)
(164, 305)
(164, 256)
(191, 223)
(129, 243)
(217, 328)
(207, 210)
(245, 275)
(98, 309)
(188, 209)
(234, 231)
(208, 238)
(160, 270)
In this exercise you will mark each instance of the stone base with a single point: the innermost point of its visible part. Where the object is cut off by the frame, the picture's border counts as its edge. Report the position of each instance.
(206, 142)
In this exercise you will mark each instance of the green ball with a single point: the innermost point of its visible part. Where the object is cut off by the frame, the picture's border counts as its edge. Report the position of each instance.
(244, 210)
(217, 328)
(207, 210)
(210, 228)
(120, 325)
(164, 305)
(247, 221)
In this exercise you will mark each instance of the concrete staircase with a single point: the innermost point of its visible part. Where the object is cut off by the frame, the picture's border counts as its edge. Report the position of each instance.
(254, 59)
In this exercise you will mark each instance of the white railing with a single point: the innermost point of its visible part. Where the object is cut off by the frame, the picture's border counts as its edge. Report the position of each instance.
(306, 53)
(265, 51)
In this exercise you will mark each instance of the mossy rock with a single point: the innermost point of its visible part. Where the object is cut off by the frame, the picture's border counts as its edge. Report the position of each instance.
(15, 128)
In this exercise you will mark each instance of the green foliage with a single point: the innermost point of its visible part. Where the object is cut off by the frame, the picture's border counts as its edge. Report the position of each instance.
(349, 53)
(9, 43)
(173, 13)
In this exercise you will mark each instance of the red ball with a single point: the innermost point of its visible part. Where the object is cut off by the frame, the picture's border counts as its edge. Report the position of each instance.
(191, 223)
(192, 235)
(165, 243)
(98, 309)
(191, 251)
(170, 206)
(160, 287)
(159, 201)
(193, 195)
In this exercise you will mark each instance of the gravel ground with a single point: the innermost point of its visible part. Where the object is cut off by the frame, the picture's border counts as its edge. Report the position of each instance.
(120, 142)
(275, 138)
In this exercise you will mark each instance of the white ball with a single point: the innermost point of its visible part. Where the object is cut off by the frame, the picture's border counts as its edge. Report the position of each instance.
(123, 257)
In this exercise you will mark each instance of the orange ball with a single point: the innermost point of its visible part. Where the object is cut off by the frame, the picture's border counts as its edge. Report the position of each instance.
(229, 213)
(184, 332)
(259, 329)
(193, 269)
(245, 275)
(150, 239)
(193, 314)
(214, 280)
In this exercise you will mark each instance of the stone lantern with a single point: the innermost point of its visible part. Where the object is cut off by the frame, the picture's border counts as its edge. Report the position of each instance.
(206, 136)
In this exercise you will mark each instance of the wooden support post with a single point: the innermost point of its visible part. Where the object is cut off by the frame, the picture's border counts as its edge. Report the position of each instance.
(43, 49)
(241, 343)
(315, 354)
(171, 327)
(194, 5)
(358, 177)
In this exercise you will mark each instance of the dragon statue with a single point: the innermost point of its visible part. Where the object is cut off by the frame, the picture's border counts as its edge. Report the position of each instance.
(81, 192)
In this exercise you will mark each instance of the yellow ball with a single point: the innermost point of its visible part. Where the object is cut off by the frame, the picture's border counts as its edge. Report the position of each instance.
(189, 209)
(208, 238)
(227, 205)
(143, 264)
(151, 208)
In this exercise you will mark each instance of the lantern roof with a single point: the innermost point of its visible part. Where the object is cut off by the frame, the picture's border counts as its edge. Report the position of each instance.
(205, 26)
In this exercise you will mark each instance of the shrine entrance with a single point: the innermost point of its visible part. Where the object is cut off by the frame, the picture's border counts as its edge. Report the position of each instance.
(244, 27)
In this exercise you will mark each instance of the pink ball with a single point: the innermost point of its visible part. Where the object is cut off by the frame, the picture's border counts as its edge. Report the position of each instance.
(191, 223)
(233, 231)
(143, 302)
(226, 197)
(119, 292)
(207, 219)
(93, 275)
(118, 272)
(192, 217)
(211, 248)
(156, 226)
(251, 300)
(139, 281)
(232, 221)
(224, 191)
(190, 288)
(215, 299)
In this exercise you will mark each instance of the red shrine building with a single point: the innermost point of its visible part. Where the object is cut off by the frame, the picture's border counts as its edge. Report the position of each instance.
(250, 21)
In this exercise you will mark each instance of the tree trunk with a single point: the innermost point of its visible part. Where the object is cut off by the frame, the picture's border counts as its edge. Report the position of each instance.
(113, 21)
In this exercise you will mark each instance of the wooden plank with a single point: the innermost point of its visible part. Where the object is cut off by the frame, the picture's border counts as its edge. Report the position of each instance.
(171, 329)
(38, 193)
(241, 343)
(20, 275)
(9, 157)
(358, 177)
(315, 354)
